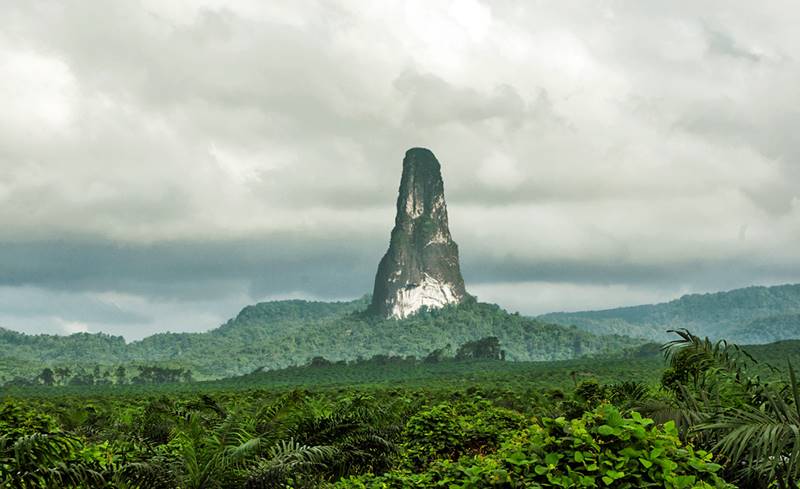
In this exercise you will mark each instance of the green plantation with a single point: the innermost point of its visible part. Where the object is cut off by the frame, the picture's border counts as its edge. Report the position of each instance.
(706, 415)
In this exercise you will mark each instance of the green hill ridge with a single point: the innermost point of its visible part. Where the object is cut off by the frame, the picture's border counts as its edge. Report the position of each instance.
(278, 334)
(750, 315)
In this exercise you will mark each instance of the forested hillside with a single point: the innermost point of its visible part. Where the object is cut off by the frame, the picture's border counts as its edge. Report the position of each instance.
(750, 315)
(278, 334)
(768, 329)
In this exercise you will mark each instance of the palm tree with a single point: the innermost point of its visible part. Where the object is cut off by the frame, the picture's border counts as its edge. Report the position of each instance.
(305, 440)
(286, 459)
(44, 460)
(358, 429)
(217, 448)
(763, 440)
(724, 406)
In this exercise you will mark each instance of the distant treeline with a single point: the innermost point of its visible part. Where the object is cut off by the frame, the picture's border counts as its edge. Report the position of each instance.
(486, 349)
(99, 376)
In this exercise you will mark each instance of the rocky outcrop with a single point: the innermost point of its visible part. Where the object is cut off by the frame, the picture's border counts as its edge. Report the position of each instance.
(421, 266)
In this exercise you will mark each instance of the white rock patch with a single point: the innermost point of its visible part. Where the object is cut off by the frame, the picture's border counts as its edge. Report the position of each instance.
(431, 293)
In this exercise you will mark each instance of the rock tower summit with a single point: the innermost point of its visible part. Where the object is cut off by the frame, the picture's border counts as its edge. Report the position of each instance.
(421, 266)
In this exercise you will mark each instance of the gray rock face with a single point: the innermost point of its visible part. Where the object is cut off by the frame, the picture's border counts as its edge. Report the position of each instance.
(421, 266)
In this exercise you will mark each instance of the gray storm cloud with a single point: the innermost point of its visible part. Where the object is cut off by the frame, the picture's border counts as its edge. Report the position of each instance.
(164, 163)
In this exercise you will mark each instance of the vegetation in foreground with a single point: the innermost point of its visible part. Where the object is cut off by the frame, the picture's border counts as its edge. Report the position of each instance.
(711, 421)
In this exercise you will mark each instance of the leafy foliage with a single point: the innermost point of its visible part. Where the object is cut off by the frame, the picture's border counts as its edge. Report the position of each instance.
(601, 449)
(35, 453)
(724, 405)
(450, 430)
(392, 421)
(484, 348)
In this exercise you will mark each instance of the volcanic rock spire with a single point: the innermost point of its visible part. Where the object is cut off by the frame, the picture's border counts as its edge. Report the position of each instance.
(421, 266)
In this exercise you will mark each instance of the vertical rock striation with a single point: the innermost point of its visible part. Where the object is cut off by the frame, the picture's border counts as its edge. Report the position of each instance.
(421, 266)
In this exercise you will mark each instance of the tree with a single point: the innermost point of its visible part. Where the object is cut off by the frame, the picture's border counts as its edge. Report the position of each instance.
(488, 348)
(120, 375)
(82, 378)
(319, 361)
(437, 355)
(728, 409)
(63, 374)
(186, 376)
(47, 376)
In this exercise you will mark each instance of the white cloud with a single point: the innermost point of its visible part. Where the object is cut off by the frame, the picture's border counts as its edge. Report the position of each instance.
(499, 170)
(72, 327)
(39, 92)
(639, 137)
(473, 16)
(534, 298)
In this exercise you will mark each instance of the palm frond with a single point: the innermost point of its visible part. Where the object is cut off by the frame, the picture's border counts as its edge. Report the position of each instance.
(289, 457)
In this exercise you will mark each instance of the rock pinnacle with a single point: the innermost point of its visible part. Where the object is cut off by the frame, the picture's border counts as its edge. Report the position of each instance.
(421, 266)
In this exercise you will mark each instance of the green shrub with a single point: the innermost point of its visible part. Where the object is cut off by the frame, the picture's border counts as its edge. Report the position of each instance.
(591, 392)
(601, 449)
(451, 430)
(15, 421)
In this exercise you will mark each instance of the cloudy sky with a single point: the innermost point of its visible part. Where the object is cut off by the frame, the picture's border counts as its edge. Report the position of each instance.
(164, 163)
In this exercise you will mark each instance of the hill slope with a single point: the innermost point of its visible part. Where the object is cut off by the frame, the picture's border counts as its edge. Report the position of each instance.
(749, 315)
(768, 330)
(279, 334)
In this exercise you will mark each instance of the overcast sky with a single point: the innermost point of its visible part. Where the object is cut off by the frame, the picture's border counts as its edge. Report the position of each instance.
(164, 163)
